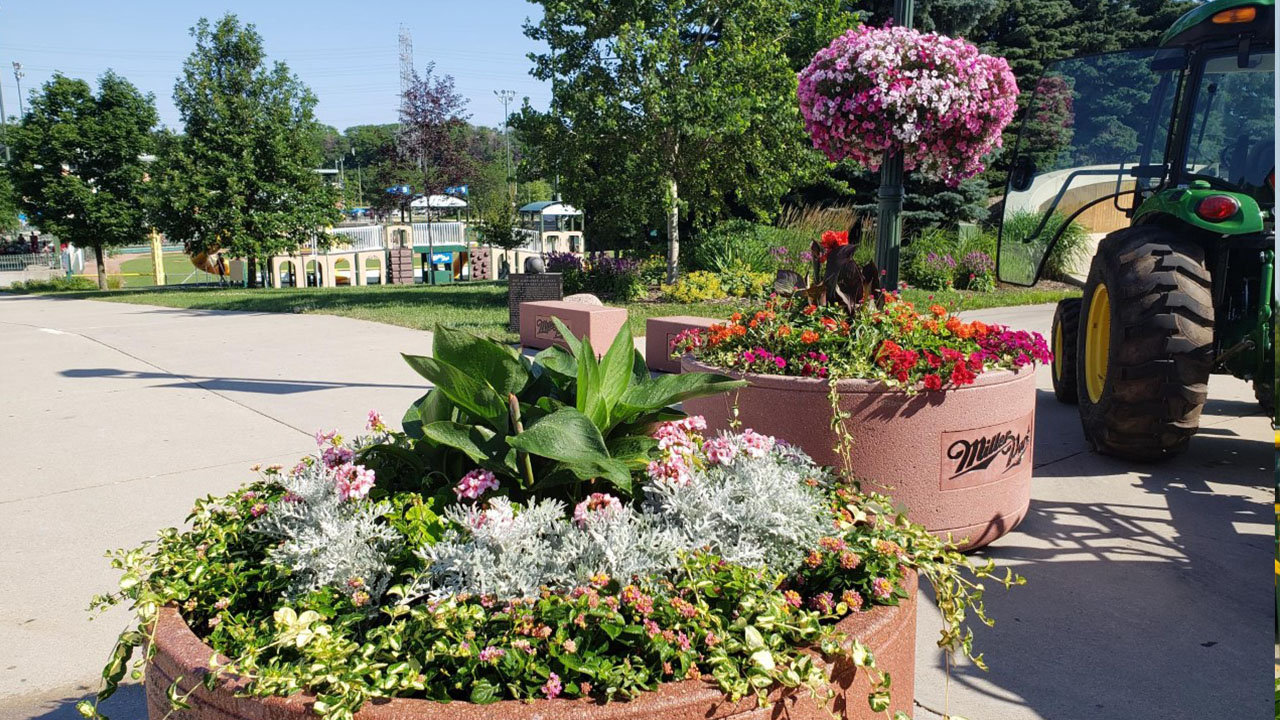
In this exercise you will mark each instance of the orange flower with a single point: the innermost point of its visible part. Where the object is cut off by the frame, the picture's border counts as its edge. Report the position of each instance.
(964, 331)
(808, 337)
(931, 325)
(953, 324)
(829, 324)
(980, 328)
(784, 331)
(735, 317)
(938, 310)
(738, 330)
(810, 309)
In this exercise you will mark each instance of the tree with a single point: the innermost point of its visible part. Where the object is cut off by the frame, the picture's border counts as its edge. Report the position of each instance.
(8, 202)
(242, 179)
(433, 141)
(77, 162)
(684, 108)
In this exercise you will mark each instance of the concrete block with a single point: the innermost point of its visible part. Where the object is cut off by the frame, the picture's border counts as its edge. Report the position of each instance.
(599, 324)
(658, 334)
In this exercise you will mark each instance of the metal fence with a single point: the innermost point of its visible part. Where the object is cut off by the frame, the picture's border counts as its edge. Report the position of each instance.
(9, 263)
(367, 237)
(445, 233)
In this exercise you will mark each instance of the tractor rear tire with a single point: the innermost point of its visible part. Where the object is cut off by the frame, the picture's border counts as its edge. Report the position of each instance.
(1264, 389)
(1142, 391)
(1066, 331)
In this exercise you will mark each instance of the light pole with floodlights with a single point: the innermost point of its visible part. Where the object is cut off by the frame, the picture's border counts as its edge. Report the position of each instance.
(507, 96)
(17, 77)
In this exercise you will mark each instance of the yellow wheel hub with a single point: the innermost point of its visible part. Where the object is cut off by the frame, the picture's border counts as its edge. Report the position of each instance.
(1057, 353)
(1097, 342)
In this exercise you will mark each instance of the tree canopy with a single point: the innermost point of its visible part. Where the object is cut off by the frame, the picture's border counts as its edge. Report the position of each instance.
(78, 169)
(242, 179)
(681, 109)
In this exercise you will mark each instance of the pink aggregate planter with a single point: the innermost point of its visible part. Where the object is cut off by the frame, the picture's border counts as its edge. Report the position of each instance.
(598, 323)
(658, 334)
(890, 632)
(959, 460)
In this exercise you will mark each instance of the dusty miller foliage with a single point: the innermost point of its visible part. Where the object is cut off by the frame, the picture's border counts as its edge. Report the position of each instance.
(328, 541)
(756, 511)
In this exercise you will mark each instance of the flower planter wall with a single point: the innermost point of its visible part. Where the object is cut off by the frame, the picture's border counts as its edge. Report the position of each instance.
(959, 460)
(890, 632)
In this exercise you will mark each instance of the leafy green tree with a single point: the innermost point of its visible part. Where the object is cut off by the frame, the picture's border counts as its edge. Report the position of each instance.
(242, 178)
(77, 162)
(8, 202)
(686, 108)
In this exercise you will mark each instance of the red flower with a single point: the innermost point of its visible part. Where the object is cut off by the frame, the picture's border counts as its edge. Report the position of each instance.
(933, 382)
(832, 240)
(934, 361)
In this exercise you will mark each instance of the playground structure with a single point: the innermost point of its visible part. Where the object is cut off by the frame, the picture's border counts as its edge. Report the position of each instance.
(551, 226)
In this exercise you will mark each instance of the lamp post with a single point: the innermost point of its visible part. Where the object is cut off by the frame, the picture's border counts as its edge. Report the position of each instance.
(507, 96)
(17, 76)
(889, 217)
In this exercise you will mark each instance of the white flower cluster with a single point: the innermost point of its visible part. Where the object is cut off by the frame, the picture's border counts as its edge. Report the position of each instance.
(756, 509)
(328, 540)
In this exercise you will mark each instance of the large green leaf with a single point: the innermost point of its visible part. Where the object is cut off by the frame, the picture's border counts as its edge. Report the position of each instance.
(670, 389)
(557, 360)
(471, 394)
(567, 436)
(478, 443)
(591, 399)
(633, 450)
(495, 363)
(615, 373)
(575, 345)
(429, 408)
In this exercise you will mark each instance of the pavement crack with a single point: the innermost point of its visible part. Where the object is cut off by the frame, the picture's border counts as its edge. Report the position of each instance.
(1054, 462)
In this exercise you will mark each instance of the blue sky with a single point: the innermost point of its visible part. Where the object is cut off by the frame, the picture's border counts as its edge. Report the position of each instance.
(348, 57)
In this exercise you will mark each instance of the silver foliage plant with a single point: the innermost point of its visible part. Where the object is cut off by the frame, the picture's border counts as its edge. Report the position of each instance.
(759, 510)
(328, 540)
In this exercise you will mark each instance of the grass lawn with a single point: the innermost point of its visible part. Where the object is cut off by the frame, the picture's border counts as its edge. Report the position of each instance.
(177, 268)
(481, 307)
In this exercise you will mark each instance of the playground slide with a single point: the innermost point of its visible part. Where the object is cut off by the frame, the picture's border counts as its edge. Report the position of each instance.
(208, 262)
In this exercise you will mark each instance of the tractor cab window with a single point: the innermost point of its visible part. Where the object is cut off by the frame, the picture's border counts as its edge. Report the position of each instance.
(1092, 139)
(1231, 141)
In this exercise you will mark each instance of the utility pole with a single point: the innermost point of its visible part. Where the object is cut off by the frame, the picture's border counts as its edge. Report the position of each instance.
(507, 96)
(17, 76)
(4, 126)
(889, 218)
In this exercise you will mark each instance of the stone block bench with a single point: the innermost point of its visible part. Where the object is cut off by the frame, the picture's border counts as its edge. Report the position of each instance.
(598, 323)
(658, 334)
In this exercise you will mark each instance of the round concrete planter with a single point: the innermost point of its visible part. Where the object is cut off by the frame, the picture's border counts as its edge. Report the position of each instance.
(890, 632)
(958, 460)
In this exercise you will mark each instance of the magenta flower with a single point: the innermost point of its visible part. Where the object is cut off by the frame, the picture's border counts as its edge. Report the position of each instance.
(552, 687)
(336, 456)
(325, 438)
(720, 451)
(375, 422)
(754, 444)
(475, 483)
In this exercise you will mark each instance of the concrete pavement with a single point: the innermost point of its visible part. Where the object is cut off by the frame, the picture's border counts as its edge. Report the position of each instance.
(1146, 594)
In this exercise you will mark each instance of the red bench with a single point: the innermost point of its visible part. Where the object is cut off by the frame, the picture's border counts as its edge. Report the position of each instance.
(598, 323)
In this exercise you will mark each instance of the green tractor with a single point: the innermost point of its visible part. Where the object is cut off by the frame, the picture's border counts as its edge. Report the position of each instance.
(1165, 158)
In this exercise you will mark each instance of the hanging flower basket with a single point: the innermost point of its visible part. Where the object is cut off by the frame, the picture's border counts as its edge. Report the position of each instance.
(937, 100)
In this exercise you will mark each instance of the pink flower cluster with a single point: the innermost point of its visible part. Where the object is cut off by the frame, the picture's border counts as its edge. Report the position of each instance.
(353, 481)
(761, 360)
(596, 503)
(937, 100)
(475, 483)
(683, 449)
(1018, 346)
(678, 440)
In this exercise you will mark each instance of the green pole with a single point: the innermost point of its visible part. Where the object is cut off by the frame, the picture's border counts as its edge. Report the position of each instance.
(889, 217)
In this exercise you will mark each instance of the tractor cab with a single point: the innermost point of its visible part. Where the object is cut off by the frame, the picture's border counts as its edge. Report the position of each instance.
(1159, 164)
